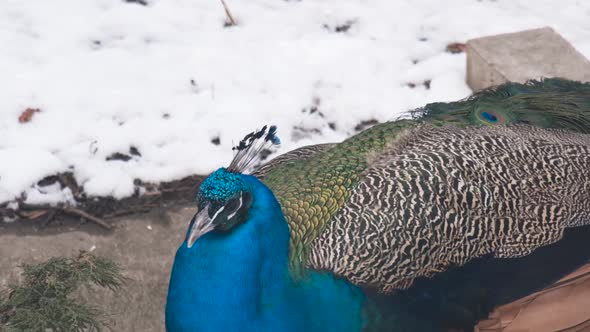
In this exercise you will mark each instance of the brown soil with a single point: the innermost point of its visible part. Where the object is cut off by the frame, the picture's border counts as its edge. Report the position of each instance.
(144, 244)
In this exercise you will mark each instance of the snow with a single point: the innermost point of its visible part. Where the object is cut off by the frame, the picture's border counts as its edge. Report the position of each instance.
(21, 164)
(50, 194)
(168, 78)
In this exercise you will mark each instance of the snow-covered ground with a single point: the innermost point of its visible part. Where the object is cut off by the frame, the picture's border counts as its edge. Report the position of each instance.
(169, 80)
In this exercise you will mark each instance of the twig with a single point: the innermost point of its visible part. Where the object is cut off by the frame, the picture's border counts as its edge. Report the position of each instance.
(50, 210)
(98, 210)
(230, 19)
(80, 213)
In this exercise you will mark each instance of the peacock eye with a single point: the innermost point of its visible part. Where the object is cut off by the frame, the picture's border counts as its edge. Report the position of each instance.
(489, 116)
(233, 204)
(233, 212)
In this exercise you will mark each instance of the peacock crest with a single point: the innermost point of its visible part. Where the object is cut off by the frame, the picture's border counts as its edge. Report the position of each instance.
(225, 182)
(249, 150)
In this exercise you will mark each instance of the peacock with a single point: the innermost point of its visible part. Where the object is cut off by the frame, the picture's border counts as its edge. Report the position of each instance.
(425, 223)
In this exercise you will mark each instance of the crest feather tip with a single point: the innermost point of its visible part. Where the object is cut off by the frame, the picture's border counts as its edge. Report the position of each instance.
(250, 147)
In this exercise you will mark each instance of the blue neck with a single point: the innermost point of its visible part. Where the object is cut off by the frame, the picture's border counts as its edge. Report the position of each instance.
(232, 277)
(240, 281)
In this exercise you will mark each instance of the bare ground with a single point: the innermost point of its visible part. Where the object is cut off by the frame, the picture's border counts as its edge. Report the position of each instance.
(144, 244)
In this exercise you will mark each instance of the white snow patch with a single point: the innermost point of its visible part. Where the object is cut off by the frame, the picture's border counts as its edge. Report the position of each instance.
(51, 194)
(168, 78)
(21, 167)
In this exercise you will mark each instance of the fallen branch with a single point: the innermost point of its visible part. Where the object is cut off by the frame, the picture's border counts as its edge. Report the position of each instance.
(99, 209)
(76, 212)
(47, 213)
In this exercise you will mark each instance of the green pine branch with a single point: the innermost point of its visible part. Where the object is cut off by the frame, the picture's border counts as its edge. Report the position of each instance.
(43, 300)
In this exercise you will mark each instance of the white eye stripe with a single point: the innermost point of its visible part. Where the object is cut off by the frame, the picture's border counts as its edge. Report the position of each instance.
(217, 213)
(238, 208)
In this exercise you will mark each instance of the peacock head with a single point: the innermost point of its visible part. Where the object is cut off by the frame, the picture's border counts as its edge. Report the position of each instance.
(225, 196)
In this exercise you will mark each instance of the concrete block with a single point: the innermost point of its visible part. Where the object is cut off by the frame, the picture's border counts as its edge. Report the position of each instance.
(520, 56)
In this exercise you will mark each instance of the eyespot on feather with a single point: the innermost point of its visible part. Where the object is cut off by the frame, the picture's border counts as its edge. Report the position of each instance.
(491, 117)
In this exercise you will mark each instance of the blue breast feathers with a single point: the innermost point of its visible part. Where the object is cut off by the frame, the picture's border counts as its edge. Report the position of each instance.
(240, 280)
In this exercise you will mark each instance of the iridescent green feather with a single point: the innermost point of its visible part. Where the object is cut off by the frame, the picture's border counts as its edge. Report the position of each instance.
(550, 103)
(312, 190)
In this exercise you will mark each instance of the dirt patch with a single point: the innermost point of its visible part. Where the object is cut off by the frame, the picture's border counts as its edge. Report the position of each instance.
(144, 244)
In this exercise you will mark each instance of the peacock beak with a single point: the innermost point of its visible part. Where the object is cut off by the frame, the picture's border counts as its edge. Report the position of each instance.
(202, 225)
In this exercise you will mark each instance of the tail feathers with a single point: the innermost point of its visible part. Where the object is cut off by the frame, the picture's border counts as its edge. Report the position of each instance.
(548, 103)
